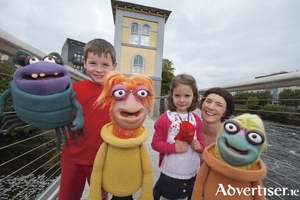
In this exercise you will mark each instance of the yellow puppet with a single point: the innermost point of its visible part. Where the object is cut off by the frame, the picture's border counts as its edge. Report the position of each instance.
(232, 167)
(122, 165)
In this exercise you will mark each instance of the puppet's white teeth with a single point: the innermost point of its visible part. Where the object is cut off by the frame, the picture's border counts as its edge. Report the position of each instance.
(34, 75)
(55, 74)
(42, 75)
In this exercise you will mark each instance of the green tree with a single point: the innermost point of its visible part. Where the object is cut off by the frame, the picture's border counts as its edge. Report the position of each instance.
(264, 97)
(252, 103)
(167, 76)
(6, 74)
(289, 97)
(241, 97)
(274, 112)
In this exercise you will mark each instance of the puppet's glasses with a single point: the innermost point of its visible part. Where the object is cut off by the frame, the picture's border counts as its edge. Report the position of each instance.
(119, 92)
(254, 137)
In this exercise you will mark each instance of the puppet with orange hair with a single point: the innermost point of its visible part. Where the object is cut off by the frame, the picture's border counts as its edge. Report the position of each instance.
(122, 165)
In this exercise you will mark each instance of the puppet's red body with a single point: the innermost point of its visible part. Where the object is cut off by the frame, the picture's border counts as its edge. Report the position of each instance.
(186, 133)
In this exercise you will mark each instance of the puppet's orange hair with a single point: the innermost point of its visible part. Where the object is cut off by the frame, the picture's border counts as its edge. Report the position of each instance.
(114, 78)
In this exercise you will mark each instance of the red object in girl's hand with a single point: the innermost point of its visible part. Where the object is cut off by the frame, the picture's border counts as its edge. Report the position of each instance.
(186, 132)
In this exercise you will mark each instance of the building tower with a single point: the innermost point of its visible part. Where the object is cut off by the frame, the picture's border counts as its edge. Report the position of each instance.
(72, 54)
(139, 40)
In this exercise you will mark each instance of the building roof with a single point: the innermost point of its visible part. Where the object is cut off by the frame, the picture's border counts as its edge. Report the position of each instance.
(75, 42)
(131, 7)
(273, 74)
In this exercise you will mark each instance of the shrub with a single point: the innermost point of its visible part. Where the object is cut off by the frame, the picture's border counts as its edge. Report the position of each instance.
(253, 103)
(274, 112)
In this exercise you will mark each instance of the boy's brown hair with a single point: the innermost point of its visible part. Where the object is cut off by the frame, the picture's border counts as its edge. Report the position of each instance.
(100, 47)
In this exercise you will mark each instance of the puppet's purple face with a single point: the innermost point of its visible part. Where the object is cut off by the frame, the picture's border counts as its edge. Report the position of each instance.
(43, 77)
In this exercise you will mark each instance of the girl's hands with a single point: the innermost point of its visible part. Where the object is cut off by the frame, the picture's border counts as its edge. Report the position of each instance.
(196, 146)
(181, 146)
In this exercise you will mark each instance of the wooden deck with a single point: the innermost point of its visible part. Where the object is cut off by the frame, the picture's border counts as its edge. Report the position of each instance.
(149, 124)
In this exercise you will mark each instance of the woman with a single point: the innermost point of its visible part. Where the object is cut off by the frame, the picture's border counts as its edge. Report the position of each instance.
(216, 106)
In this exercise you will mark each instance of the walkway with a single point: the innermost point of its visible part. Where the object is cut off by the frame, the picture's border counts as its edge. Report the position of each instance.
(149, 124)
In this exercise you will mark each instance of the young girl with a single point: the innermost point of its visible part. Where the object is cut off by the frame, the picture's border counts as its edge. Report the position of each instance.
(179, 161)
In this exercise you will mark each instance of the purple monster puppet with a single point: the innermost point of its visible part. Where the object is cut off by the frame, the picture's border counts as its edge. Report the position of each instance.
(42, 96)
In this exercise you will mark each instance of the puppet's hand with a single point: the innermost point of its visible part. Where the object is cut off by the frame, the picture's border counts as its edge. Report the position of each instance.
(77, 124)
(75, 133)
(10, 122)
(78, 121)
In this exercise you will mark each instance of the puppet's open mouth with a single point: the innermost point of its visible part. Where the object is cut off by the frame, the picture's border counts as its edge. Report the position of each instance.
(43, 76)
(237, 151)
(128, 114)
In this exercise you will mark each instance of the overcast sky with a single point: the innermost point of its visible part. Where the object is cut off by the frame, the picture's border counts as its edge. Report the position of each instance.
(220, 42)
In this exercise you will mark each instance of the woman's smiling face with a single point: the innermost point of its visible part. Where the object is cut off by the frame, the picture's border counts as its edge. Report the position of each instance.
(213, 108)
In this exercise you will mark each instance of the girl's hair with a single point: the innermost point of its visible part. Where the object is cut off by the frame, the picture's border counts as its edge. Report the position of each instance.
(183, 79)
(100, 47)
(227, 97)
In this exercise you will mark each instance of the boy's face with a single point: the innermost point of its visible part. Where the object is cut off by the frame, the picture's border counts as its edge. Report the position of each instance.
(97, 67)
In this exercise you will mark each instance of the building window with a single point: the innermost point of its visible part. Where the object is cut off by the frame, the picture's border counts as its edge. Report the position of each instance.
(77, 57)
(145, 35)
(138, 65)
(77, 61)
(134, 33)
(139, 35)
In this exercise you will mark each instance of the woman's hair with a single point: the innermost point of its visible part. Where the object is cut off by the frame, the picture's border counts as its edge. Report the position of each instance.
(227, 97)
(183, 79)
(99, 47)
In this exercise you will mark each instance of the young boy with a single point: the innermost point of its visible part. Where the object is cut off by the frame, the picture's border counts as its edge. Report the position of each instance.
(77, 160)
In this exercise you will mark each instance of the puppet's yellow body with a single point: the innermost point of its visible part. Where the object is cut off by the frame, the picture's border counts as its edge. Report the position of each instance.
(122, 166)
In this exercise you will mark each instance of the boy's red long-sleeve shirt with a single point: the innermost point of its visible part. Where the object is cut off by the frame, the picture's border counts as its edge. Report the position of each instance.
(95, 118)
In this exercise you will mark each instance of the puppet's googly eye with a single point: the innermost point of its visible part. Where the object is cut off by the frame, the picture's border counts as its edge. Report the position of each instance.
(255, 137)
(142, 93)
(231, 127)
(49, 59)
(119, 94)
(33, 60)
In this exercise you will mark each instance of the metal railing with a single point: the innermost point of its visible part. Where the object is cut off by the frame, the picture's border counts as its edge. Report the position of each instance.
(53, 179)
(46, 185)
(29, 163)
(51, 175)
